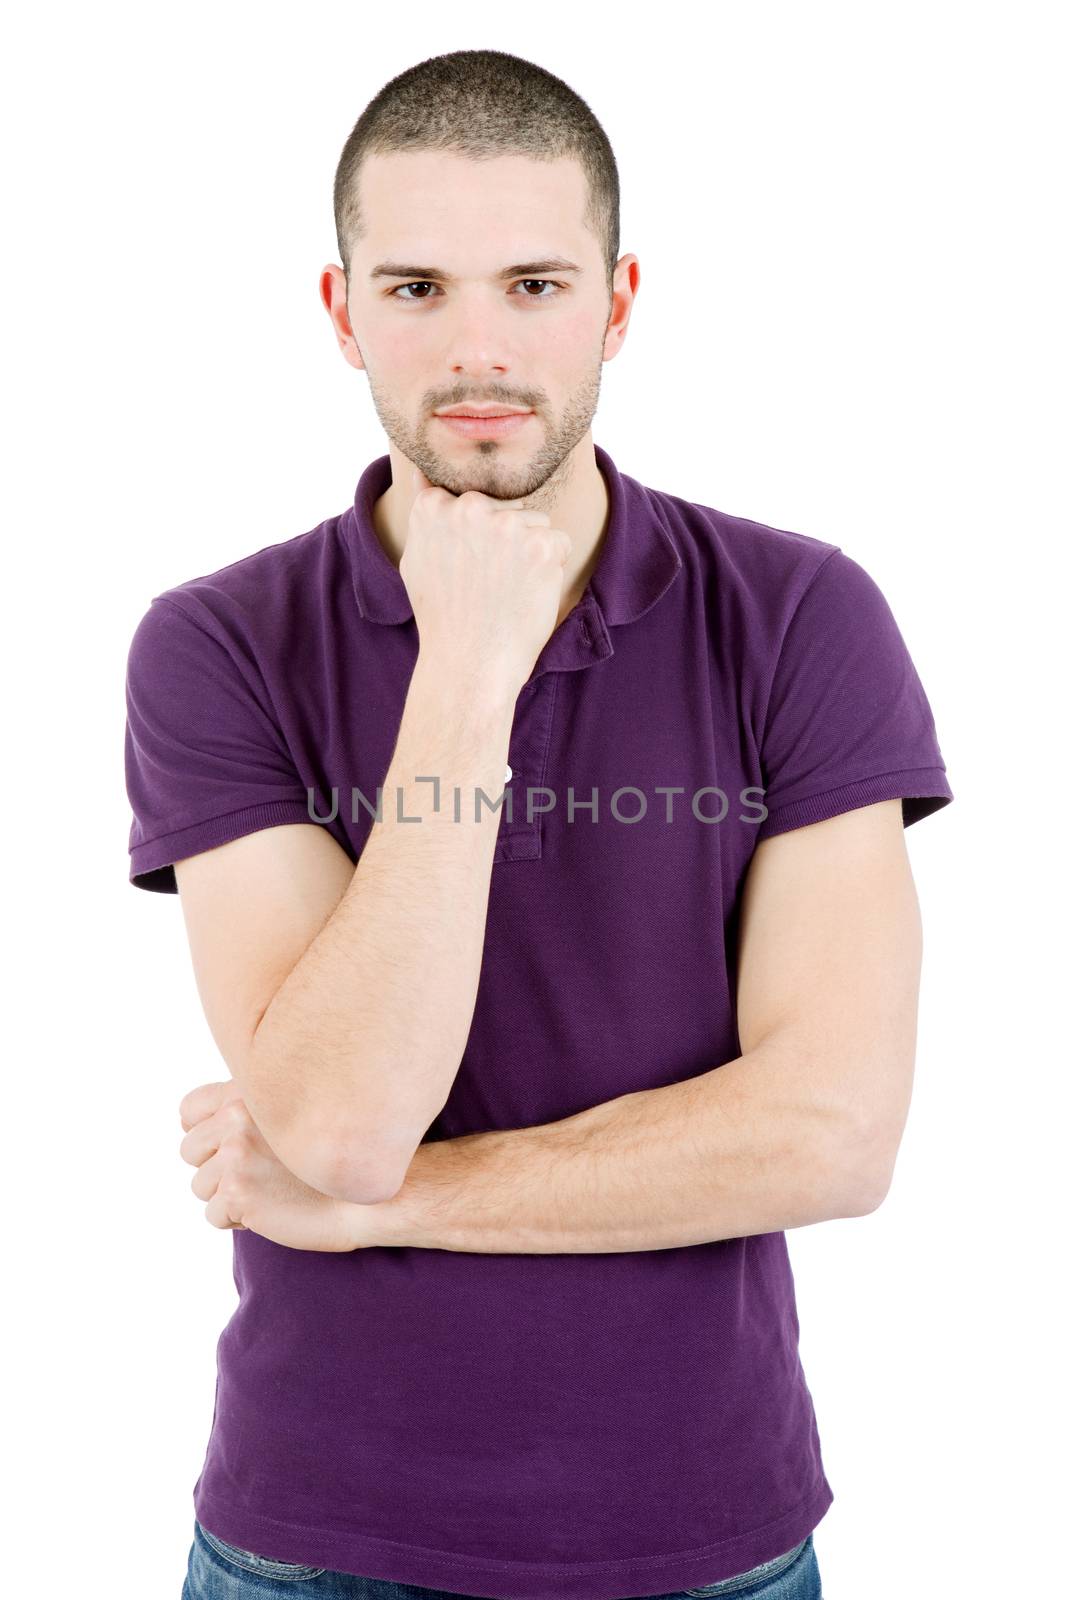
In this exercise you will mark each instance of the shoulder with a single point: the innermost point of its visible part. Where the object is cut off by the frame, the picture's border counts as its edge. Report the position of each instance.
(755, 574)
(256, 605)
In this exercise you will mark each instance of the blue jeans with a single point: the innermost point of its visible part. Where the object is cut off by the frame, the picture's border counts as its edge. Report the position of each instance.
(220, 1571)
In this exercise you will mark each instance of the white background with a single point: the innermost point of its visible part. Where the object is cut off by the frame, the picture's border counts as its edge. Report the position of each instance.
(849, 324)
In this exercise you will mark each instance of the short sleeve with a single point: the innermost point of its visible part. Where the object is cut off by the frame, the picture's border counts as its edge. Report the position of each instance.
(847, 722)
(205, 760)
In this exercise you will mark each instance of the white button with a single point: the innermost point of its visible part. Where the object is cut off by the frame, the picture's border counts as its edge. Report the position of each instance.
(507, 774)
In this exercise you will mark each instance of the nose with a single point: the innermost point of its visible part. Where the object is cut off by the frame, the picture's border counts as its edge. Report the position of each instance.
(476, 365)
(478, 341)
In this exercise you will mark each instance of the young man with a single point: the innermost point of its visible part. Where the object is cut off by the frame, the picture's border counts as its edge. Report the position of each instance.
(526, 1086)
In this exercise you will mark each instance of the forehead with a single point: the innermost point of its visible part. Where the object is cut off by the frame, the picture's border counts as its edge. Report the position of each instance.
(420, 202)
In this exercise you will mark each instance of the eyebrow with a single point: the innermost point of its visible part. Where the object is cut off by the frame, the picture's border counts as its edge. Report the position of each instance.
(523, 269)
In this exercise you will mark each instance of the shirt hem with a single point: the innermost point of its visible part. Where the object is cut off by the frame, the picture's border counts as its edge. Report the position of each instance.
(370, 1556)
(152, 860)
(921, 790)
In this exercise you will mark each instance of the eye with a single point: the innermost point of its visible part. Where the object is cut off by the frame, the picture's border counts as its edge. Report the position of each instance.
(551, 282)
(425, 284)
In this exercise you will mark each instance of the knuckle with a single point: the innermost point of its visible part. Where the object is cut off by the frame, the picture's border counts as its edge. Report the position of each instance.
(230, 1188)
(235, 1149)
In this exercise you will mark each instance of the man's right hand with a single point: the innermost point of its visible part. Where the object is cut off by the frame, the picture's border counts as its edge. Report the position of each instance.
(485, 578)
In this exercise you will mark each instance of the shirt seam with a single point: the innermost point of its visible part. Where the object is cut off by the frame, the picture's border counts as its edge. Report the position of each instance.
(163, 599)
(819, 570)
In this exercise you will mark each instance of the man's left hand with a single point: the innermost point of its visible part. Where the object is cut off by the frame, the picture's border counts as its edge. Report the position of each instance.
(245, 1185)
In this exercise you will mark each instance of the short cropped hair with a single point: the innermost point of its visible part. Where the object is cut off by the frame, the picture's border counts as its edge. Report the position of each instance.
(481, 104)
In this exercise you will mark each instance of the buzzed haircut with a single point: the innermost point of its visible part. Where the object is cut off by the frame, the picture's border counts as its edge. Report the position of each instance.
(481, 104)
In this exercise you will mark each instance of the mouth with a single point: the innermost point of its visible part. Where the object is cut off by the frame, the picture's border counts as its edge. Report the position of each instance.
(473, 427)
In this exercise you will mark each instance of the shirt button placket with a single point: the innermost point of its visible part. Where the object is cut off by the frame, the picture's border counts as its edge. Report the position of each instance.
(519, 839)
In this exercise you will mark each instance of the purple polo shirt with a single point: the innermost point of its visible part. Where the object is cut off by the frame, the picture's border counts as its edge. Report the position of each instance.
(591, 1426)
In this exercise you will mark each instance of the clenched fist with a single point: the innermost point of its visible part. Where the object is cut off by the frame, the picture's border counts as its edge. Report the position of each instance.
(485, 578)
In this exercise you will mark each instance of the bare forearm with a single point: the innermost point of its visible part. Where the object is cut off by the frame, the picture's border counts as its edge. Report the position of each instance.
(733, 1152)
(362, 1041)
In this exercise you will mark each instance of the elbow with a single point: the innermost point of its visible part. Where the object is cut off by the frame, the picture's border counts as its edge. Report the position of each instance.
(319, 1145)
(846, 1172)
(358, 1168)
(863, 1172)
(360, 1183)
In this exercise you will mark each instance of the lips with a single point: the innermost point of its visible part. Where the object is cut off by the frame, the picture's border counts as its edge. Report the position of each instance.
(503, 411)
(484, 427)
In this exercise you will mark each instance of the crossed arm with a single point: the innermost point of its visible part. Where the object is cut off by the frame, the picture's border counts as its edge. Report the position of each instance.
(802, 1127)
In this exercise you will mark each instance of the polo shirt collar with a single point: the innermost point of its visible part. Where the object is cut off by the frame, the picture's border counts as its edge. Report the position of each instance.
(638, 559)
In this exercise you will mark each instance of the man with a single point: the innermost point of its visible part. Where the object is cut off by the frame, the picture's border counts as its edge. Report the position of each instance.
(539, 837)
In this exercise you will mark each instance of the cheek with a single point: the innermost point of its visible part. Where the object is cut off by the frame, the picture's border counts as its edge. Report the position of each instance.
(399, 351)
(564, 346)
(394, 347)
